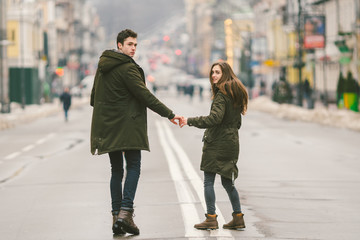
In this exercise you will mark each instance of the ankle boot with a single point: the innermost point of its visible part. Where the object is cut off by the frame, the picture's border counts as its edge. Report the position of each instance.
(125, 220)
(236, 222)
(209, 223)
(116, 227)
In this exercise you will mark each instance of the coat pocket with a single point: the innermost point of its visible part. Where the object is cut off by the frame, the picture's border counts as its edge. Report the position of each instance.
(207, 138)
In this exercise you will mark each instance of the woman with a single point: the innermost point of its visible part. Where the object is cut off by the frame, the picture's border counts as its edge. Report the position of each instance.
(221, 142)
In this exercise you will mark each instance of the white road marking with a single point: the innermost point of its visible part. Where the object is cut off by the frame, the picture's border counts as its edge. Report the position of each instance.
(42, 140)
(186, 198)
(29, 147)
(194, 178)
(12, 155)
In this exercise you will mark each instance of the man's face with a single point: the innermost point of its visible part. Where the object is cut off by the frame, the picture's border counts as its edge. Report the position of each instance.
(129, 46)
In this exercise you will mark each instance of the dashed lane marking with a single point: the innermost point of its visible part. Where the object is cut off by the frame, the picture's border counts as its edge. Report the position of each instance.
(29, 147)
(12, 155)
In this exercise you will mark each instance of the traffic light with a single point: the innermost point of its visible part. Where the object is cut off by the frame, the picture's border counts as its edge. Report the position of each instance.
(166, 38)
(59, 71)
(178, 52)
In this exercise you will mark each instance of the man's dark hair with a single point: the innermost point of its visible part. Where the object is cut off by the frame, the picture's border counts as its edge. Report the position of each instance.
(124, 34)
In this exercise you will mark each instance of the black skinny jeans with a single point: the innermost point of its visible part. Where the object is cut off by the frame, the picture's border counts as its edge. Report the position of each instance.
(124, 199)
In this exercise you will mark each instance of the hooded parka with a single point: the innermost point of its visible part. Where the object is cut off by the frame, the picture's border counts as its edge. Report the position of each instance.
(119, 98)
(221, 137)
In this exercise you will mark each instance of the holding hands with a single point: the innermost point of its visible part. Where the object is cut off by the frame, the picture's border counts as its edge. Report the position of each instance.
(182, 121)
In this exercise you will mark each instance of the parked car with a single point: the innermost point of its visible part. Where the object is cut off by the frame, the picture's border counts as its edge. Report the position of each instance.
(76, 91)
(87, 84)
(84, 88)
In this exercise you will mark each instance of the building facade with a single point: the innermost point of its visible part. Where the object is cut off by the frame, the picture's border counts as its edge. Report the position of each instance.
(50, 46)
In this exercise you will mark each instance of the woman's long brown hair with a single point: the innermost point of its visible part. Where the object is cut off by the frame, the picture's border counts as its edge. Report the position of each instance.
(230, 85)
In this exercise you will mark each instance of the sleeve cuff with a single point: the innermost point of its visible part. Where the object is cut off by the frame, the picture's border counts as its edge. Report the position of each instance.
(171, 116)
(189, 122)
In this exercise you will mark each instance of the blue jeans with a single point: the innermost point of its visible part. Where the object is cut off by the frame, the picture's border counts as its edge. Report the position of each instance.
(124, 199)
(66, 113)
(209, 180)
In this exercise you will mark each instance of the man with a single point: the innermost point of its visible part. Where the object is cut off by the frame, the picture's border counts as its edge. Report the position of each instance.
(65, 98)
(119, 124)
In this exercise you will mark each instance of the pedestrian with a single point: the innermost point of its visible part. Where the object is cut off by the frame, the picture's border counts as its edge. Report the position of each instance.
(65, 98)
(201, 89)
(307, 93)
(120, 100)
(262, 87)
(282, 91)
(190, 90)
(221, 142)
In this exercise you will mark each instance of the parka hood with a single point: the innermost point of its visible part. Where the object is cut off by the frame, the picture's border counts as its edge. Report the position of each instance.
(111, 59)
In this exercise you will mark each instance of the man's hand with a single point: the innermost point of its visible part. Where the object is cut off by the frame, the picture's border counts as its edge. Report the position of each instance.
(177, 120)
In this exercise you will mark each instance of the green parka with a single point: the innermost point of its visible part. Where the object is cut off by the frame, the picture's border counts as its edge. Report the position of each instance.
(119, 98)
(221, 137)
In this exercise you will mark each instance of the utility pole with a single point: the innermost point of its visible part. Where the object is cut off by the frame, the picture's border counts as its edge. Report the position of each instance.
(357, 39)
(299, 64)
(4, 77)
(249, 69)
(22, 46)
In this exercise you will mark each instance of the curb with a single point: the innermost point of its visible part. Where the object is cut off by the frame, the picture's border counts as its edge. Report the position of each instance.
(33, 112)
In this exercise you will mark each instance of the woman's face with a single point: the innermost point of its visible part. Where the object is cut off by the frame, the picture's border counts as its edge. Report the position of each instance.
(216, 73)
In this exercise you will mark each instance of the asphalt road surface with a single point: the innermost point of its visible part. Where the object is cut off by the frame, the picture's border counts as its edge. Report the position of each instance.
(297, 180)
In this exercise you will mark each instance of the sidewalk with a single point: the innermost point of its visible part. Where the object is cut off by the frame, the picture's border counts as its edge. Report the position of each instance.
(33, 112)
(330, 116)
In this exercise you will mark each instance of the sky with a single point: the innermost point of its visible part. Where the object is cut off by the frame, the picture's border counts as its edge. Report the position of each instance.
(142, 16)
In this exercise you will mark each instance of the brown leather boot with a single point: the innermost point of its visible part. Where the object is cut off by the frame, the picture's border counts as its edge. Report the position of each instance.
(236, 222)
(126, 222)
(116, 227)
(209, 223)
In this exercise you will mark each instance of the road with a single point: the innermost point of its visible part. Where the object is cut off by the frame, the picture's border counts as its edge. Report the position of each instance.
(297, 180)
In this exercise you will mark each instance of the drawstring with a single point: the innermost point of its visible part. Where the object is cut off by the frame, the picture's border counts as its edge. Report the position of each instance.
(232, 179)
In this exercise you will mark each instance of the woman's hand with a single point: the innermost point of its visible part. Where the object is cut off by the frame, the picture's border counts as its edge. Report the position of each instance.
(183, 122)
